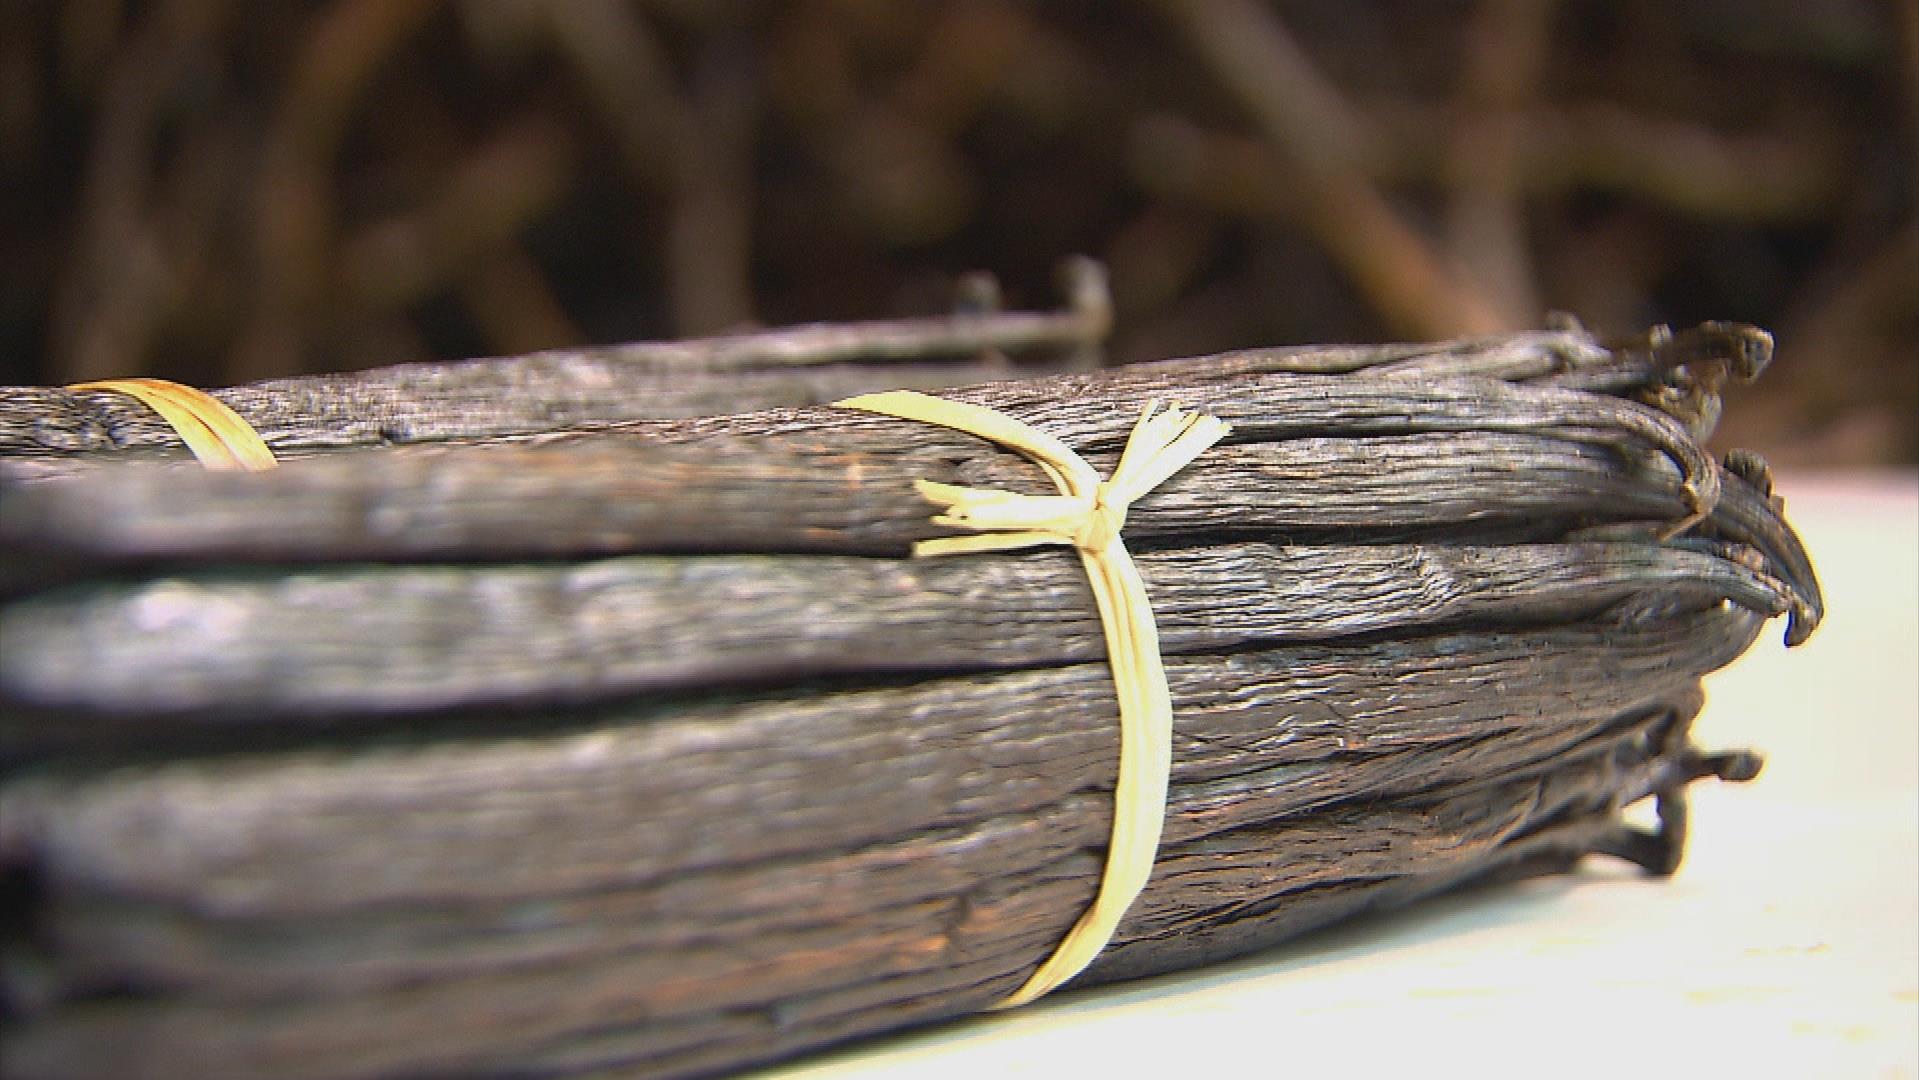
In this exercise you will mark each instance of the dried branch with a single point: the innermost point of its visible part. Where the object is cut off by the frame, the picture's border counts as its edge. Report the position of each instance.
(1417, 289)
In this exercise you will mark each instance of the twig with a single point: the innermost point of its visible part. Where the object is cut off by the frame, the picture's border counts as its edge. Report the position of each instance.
(1760, 176)
(296, 213)
(1507, 44)
(709, 235)
(507, 182)
(111, 292)
(1326, 147)
(697, 149)
(629, 78)
(515, 308)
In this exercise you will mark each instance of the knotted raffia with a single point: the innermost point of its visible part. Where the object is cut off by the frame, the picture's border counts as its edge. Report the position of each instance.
(217, 435)
(1088, 514)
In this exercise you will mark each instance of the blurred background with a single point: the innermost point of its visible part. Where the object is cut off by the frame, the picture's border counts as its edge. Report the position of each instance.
(219, 192)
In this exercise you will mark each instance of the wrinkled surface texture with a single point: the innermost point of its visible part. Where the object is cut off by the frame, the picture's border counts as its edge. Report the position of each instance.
(511, 735)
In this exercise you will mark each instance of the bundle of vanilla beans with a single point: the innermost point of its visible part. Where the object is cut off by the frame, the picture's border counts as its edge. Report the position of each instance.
(519, 726)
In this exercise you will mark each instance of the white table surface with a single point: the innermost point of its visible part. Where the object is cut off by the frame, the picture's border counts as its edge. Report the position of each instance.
(1788, 945)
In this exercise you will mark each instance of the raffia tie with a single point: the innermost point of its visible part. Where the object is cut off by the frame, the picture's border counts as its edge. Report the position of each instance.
(217, 435)
(1087, 514)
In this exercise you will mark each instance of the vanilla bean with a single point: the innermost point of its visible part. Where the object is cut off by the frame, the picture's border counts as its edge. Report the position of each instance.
(596, 737)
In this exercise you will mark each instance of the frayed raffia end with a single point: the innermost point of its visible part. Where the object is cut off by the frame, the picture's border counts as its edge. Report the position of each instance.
(1087, 515)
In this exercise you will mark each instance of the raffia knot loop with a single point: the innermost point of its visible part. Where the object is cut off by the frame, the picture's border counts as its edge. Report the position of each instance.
(1087, 514)
(1103, 521)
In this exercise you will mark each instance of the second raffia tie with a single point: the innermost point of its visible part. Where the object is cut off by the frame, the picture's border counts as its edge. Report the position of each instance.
(1087, 515)
(217, 435)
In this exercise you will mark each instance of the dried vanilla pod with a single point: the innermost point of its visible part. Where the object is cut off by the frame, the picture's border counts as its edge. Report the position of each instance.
(643, 745)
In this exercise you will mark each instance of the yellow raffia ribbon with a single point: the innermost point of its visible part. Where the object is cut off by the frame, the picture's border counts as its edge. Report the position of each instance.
(217, 435)
(1087, 514)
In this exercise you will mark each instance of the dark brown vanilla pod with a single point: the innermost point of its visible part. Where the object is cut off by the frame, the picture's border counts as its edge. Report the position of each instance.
(646, 748)
(501, 396)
